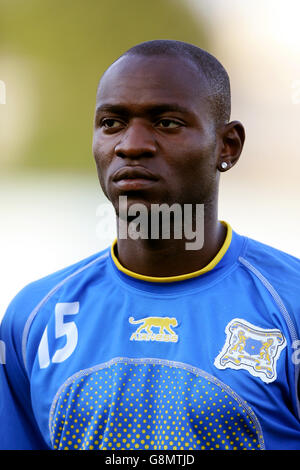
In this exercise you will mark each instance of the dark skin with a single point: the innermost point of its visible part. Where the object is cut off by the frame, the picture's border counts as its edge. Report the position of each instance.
(153, 113)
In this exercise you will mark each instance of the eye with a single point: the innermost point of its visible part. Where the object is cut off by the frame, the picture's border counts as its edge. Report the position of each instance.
(110, 123)
(169, 124)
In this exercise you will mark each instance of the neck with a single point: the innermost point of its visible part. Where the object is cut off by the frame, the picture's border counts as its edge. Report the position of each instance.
(172, 257)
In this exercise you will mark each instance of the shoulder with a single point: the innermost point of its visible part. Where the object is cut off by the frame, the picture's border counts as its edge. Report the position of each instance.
(27, 299)
(278, 272)
(270, 260)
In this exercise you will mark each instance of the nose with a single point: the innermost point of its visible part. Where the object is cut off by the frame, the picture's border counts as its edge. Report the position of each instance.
(137, 141)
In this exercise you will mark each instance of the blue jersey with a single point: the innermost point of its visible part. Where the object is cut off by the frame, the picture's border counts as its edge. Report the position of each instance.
(98, 357)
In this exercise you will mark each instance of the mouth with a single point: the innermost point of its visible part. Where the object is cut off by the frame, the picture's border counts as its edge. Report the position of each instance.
(133, 178)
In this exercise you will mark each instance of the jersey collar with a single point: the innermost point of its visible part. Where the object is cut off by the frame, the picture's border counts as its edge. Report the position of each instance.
(213, 263)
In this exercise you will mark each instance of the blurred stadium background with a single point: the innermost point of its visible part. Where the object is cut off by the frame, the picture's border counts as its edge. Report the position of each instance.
(52, 54)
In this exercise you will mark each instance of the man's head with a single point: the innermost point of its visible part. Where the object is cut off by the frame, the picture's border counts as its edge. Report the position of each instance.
(163, 107)
(210, 70)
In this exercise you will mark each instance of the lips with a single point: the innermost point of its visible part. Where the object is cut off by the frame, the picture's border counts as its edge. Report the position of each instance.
(133, 173)
(129, 178)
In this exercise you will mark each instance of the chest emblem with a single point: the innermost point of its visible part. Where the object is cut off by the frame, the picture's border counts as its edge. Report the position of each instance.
(154, 329)
(251, 348)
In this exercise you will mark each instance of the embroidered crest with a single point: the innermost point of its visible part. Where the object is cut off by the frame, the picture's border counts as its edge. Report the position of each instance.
(251, 348)
(154, 329)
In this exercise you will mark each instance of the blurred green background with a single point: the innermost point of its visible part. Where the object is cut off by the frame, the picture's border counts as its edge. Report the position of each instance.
(52, 54)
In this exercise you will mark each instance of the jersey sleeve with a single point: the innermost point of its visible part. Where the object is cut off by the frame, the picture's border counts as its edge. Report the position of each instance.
(282, 272)
(18, 428)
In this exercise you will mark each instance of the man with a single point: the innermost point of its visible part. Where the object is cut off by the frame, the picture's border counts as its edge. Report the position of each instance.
(153, 344)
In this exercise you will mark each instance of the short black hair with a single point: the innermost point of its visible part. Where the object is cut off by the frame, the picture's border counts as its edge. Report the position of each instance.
(212, 69)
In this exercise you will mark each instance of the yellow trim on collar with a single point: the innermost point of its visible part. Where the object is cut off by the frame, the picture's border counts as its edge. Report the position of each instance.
(181, 277)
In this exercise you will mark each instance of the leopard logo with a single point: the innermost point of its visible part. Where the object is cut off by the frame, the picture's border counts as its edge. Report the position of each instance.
(147, 331)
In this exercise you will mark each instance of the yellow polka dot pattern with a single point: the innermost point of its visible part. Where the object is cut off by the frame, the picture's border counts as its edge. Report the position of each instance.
(135, 405)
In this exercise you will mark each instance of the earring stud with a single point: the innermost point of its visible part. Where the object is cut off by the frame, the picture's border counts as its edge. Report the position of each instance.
(224, 165)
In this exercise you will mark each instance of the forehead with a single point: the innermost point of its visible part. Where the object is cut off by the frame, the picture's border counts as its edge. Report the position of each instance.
(146, 80)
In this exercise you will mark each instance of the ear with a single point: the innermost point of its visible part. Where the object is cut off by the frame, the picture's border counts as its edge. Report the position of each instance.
(232, 138)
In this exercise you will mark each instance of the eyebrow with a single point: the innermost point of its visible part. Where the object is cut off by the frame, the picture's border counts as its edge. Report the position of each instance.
(150, 109)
